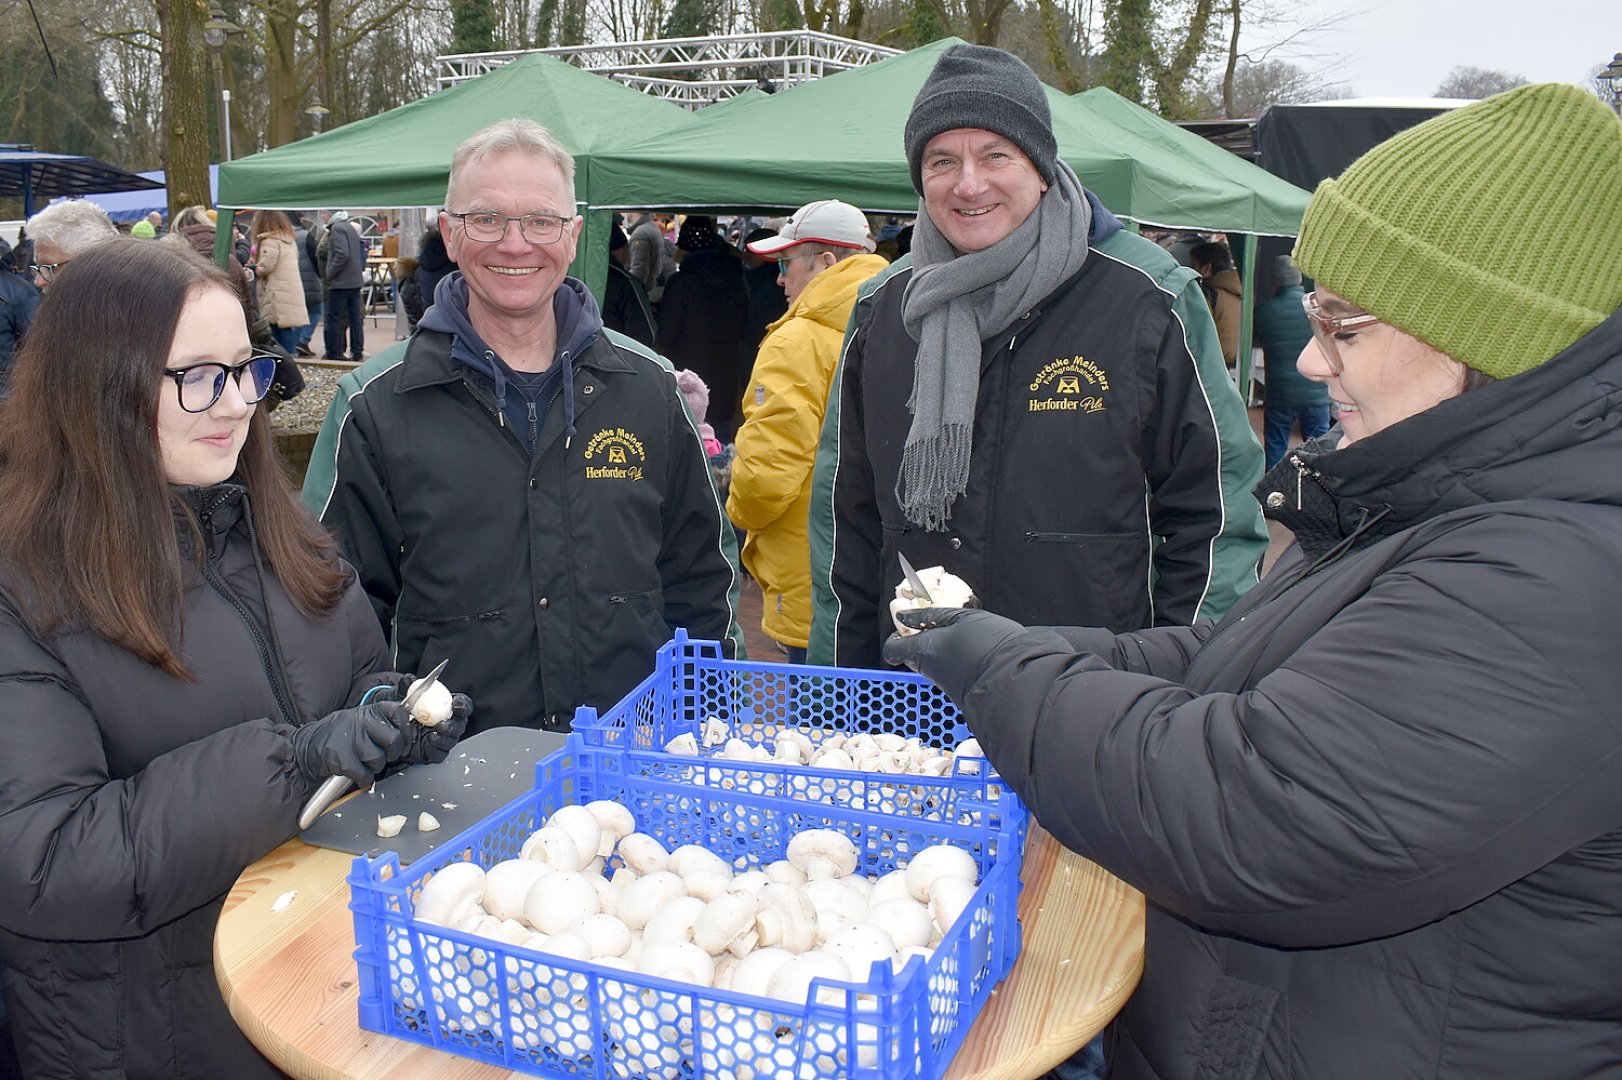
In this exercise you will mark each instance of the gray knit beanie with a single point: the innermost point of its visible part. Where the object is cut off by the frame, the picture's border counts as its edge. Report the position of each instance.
(1285, 272)
(977, 86)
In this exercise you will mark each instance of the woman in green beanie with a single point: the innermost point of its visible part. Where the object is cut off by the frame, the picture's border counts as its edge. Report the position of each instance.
(1377, 809)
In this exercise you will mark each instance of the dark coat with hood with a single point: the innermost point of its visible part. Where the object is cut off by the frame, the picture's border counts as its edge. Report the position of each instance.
(701, 325)
(1377, 810)
(547, 550)
(130, 801)
(433, 264)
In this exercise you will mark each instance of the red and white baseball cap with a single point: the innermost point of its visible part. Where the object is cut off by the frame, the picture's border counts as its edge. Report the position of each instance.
(826, 222)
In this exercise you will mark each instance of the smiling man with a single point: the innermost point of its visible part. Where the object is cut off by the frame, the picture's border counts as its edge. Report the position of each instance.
(1034, 399)
(522, 491)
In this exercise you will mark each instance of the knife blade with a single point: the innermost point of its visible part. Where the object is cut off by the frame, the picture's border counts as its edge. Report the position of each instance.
(334, 786)
(913, 581)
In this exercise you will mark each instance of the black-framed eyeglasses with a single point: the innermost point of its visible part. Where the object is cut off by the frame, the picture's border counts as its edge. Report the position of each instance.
(1327, 330)
(486, 227)
(200, 385)
(45, 271)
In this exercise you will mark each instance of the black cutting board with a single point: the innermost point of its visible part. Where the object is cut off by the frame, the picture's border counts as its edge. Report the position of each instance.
(484, 773)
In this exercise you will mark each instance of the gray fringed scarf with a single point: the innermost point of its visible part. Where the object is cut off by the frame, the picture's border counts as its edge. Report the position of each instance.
(954, 303)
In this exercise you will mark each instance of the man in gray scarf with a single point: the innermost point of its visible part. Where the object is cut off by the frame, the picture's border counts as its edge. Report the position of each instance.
(1036, 401)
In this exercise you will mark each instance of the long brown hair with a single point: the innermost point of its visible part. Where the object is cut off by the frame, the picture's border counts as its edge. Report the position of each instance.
(87, 516)
(272, 223)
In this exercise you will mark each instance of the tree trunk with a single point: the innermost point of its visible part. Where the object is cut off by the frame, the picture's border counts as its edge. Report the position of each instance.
(281, 73)
(1233, 62)
(185, 96)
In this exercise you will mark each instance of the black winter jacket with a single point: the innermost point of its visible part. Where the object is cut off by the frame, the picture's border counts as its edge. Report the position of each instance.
(1377, 810)
(130, 801)
(549, 581)
(1112, 462)
(701, 326)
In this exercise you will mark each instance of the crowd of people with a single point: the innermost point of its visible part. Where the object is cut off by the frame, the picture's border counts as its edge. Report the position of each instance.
(1373, 799)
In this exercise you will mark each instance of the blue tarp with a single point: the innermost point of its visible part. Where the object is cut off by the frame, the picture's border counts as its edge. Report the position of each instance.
(135, 205)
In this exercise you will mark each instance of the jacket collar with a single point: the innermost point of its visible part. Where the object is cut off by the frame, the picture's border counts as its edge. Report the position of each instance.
(1554, 432)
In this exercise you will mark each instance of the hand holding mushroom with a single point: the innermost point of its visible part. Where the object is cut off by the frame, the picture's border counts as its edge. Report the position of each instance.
(358, 743)
(954, 647)
(440, 717)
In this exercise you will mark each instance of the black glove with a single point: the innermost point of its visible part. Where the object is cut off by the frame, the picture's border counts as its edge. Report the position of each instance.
(430, 745)
(386, 686)
(357, 743)
(951, 646)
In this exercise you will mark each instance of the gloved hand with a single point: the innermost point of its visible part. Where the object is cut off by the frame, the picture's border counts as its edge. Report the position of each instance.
(357, 743)
(386, 686)
(952, 649)
(429, 746)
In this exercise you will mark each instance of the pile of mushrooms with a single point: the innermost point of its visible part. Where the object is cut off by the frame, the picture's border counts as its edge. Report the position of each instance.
(886, 752)
(686, 915)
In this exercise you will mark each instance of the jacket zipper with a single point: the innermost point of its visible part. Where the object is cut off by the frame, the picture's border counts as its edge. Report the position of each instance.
(272, 675)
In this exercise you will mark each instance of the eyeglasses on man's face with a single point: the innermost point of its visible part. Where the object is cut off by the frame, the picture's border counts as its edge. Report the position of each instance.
(487, 227)
(1329, 330)
(783, 261)
(200, 385)
(46, 271)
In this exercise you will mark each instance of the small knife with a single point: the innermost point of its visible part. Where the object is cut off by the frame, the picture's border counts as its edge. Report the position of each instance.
(913, 581)
(335, 786)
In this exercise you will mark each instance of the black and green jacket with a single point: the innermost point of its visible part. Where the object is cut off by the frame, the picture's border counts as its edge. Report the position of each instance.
(547, 580)
(1113, 462)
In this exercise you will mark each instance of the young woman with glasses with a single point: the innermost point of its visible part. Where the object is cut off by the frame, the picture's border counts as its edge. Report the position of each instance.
(182, 662)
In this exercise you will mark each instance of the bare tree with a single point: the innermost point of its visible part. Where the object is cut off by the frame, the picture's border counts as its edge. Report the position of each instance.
(1250, 88)
(1473, 82)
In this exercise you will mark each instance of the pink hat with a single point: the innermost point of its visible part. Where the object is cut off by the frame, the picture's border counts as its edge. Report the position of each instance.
(826, 222)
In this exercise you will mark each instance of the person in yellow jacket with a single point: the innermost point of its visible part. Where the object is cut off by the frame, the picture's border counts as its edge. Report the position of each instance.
(823, 253)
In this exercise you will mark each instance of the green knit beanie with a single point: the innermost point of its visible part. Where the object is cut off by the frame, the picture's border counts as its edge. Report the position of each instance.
(1491, 232)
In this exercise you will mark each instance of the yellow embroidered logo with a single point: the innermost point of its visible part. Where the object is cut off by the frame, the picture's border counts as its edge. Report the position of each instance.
(620, 452)
(1069, 384)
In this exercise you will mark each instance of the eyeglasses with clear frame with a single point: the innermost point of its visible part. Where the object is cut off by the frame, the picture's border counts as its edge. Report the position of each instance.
(199, 386)
(784, 260)
(1326, 327)
(488, 227)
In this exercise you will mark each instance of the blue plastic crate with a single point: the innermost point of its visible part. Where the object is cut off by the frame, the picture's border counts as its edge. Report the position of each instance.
(549, 1016)
(692, 682)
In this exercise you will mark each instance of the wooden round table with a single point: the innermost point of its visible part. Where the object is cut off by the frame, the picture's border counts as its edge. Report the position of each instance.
(289, 977)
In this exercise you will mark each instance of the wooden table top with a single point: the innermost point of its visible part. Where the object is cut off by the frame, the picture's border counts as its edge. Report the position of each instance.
(289, 977)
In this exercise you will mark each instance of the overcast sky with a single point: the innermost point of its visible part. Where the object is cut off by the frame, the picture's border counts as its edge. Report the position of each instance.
(1405, 48)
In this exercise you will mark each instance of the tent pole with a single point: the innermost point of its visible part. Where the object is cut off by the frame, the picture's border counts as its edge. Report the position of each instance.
(222, 236)
(1246, 311)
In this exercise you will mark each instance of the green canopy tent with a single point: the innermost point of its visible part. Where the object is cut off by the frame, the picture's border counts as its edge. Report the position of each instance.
(403, 157)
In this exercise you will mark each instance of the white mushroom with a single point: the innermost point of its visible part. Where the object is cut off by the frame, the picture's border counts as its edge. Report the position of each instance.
(646, 894)
(615, 821)
(889, 741)
(888, 887)
(506, 884)
(643, 853)
(938, 860)
(434, 707)
(792, 981)
(748, 881)
(716, 731)
(822, 853)
(737, 750)
(861, 884)
(786, 918)
(836, 905)
(905, 920)
(390, 825)
(559, 899)
(968, 756)
(832, 758)
(552, 846)
(727, 924)
(608, 897)
(793, 747)
(784, 872)
(673, 920)
(427, 822)
(607, 935)
(726, 965)
(755, 971)
(683, 745)
(623, 877)
(948, 898)
(450, 894)
(689, 859)
(680, 960)
(569, 944)
(861, 945)
(582, 827)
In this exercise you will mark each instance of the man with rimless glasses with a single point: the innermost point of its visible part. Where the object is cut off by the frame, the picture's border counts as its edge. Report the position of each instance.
(521, 490)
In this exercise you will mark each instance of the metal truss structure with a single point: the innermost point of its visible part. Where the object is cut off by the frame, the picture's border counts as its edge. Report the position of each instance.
(694, 72)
